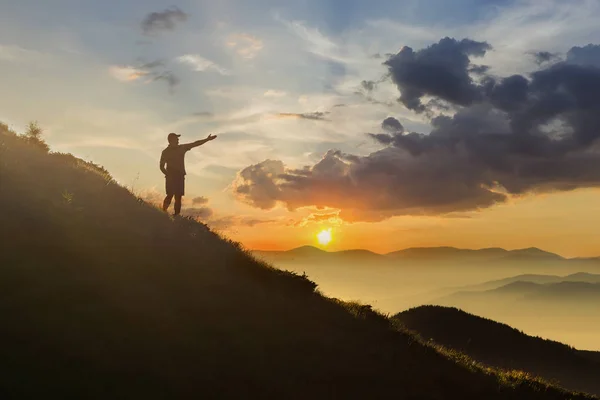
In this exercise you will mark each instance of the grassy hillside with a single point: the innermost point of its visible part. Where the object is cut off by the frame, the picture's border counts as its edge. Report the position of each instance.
(501, 346)
(104, 296)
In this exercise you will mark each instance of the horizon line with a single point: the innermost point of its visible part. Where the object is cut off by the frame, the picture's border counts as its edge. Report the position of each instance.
(429, 247)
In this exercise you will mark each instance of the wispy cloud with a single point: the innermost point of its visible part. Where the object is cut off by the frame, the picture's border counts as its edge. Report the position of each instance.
(275, 93)
(315, 116)
(127, 73)
(203, 114)
(165, 20)
(318, 43)
(17, 54)
(201, 64)
(245, 45)
(154, 71)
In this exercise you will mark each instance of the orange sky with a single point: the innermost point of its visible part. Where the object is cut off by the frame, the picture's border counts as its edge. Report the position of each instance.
(565, 223)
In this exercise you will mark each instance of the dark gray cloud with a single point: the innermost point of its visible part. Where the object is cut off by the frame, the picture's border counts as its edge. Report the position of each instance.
(165, 20)
(542, 57)
(508, 93)
(392, 124)
(199, 200)
(479, 69)
(315, 116)
(440, 70)
(509, 136)
(585, 56)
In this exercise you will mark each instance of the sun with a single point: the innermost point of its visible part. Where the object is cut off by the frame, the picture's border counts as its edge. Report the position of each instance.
(324, 237)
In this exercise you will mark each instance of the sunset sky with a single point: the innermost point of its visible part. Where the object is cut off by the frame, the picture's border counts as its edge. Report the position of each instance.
(467, 123)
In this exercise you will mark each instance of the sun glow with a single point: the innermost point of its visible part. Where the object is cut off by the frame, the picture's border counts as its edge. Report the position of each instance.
(324, 237)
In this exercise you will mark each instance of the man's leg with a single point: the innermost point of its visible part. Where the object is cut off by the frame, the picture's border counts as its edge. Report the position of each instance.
(177, 204)
(167, 202)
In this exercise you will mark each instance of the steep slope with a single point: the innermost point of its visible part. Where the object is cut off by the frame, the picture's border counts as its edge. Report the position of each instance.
(501, 346)
(104, 296)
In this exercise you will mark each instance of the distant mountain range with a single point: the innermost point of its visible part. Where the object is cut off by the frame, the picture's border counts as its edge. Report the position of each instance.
(562, 291)
(534, 278)
(427, 254)
(499, 345)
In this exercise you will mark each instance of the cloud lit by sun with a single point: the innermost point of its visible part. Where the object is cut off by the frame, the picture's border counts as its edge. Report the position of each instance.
(324, 237)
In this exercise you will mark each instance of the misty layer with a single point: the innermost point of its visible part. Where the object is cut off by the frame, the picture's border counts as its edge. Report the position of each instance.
(508, 136)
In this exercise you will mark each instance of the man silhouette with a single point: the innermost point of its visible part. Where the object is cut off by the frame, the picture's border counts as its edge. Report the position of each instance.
(173, 166)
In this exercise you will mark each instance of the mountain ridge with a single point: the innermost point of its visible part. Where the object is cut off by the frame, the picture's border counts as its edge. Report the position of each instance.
(435, 251)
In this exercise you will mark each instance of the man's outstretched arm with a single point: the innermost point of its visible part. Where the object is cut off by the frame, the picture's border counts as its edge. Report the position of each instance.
(200, 142)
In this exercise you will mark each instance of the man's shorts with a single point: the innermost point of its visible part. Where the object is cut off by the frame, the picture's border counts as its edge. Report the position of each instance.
(175, 185)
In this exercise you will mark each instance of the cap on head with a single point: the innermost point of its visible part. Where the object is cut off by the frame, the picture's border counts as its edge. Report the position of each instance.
(173, 137)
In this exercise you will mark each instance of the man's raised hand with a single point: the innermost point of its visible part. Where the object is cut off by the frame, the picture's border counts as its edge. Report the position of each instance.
(211, 137)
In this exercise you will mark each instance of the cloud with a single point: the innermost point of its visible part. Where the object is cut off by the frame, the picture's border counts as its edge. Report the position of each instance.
(508, 136)
(259, 184)
(368, 86)
(165, 20)
(18, 54)
(153, 70)
(586, 56)
(201, 64)
(203, 114)
(440, 70)
(331, 218)
(245, 45)
(199, 200)
(542, 57)
(315, 116)
(391, 124)
(274, 93)
(316, 42)
(127, 73)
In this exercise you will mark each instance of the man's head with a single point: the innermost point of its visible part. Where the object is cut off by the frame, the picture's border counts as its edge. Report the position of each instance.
(173, 138)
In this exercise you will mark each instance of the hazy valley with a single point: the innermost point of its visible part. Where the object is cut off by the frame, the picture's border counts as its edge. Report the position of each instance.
(536, 291)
